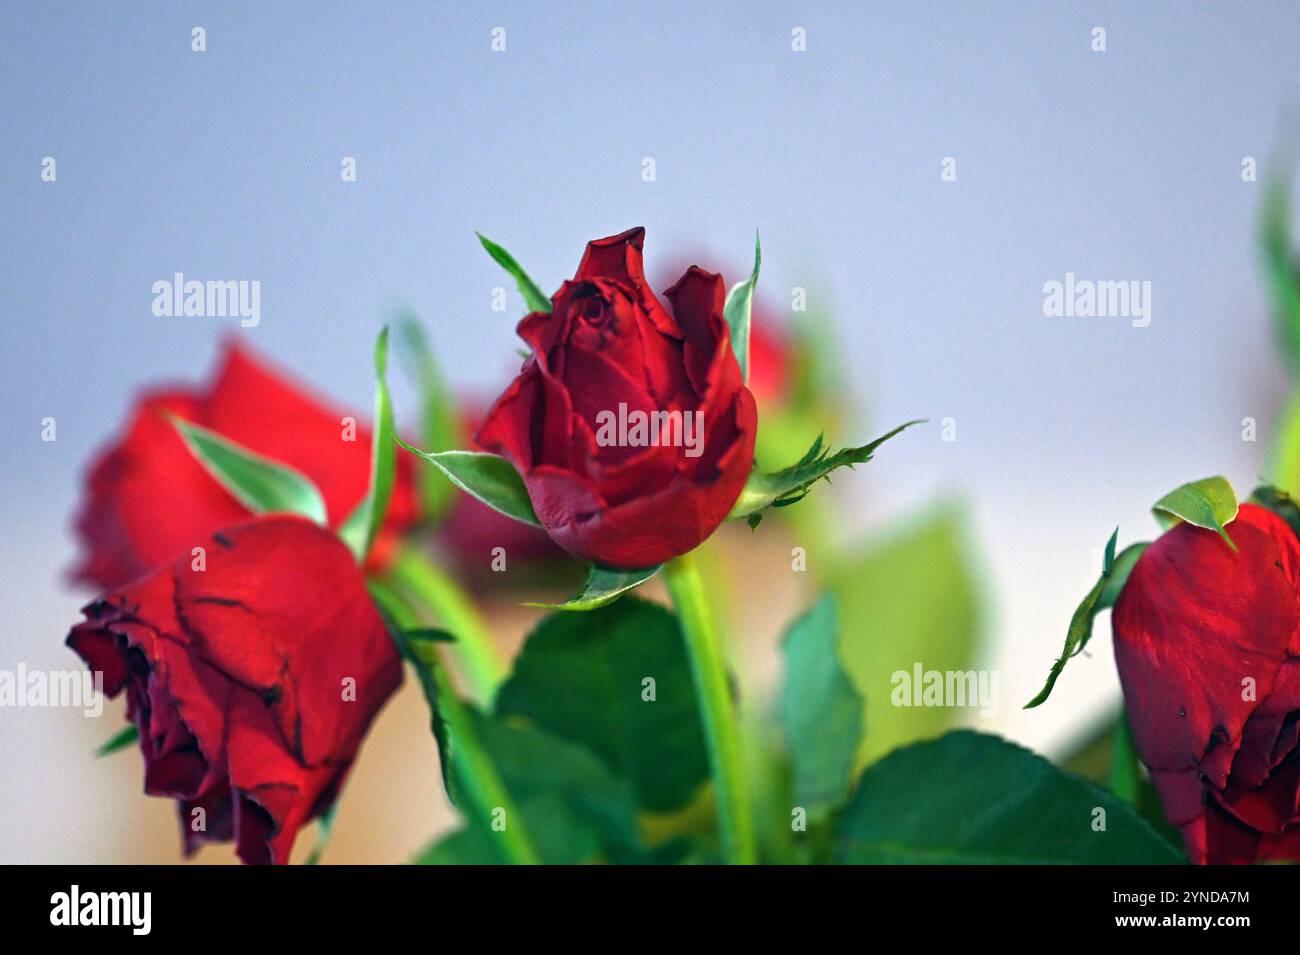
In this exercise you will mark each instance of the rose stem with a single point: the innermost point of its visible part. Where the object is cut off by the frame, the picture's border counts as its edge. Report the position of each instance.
(480, 660)
(474, 769)
(721, 728)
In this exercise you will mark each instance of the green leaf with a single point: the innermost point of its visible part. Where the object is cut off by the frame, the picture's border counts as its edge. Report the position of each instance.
(362, 525)
(821, 711)
(533, 297)
(1279, 502)
(1210, 503)
(566, 840)
(440, 427)
(603, 586)
(1102, 596)
(972, 798)
(123, 738)
(568, 800)
(792, 484)
(1279, 264)
(489, 477)
(911, 595)
(582, 677)
(737, 311)
(257, 482)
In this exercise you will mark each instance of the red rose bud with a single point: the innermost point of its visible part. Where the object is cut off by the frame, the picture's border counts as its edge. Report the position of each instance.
(607, 361)
(1207, 642)
(149, 499)
(252, 676)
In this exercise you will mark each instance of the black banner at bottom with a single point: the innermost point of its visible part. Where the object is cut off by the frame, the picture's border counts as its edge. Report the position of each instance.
(331, 904)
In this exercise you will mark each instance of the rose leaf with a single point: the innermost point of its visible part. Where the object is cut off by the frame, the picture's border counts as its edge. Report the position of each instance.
(821, 711)
(259, 483)
(533, 297)
(1102, 596)
(362, 525)
(1210, 503)
(489, 477)
(120, 740)
(791, 485)
(972, 798)
(737, 310)
(604, 585)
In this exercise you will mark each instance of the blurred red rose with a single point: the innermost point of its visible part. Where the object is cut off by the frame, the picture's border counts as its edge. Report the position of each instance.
(609, 350)
(148, 499)
(1207, 642)
(252, 680)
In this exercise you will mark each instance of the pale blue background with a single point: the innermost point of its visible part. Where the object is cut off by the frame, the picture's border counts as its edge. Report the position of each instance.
(226, 165)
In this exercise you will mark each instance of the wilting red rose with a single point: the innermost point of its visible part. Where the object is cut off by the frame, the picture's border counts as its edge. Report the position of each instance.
(609, 350)
(149, 499)
(252, 682)
(1207, 642)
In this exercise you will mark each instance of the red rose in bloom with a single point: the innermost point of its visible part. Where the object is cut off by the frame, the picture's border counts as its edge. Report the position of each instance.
(238, 679)
(1207, 642)
(607, 357)
(150, 499)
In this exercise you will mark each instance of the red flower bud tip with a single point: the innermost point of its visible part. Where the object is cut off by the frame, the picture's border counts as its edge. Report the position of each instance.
(1207, 642)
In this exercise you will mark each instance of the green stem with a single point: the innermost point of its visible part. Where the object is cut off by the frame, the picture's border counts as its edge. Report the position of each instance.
(474, 771)
(721, 728)
(1124, 777)
(480, 660)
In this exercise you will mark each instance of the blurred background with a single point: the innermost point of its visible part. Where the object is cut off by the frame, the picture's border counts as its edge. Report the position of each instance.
(1122, 164)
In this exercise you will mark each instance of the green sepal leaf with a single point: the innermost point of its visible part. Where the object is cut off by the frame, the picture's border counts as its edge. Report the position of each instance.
(603, 586)
(821, 711)
(1210, 503)
(602, 660)
(439, 426)
(1102, 596)
(974, 798)
(1279, 502)
(489, 477)
(533, 297)
(791, 485)
(738, 309)
(123, 738)
(259, 483)
(362, 525)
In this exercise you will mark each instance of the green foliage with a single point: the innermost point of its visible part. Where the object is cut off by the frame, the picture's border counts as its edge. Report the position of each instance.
(603, 586)
(1210, 503)
(790, 485)
(822, 713)
(257, 482)
(911, 597)
(974, 798)
(489, 477)
(738, 310)
(534, 298)
(362, 525)
(584, 677)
